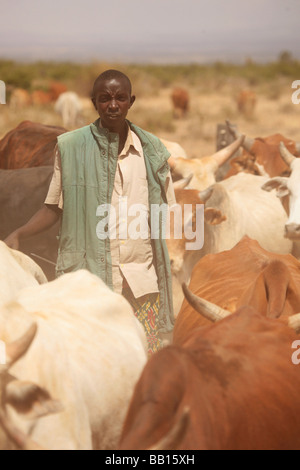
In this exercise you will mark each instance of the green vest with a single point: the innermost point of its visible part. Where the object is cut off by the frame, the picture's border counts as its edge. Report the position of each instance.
(89, 157)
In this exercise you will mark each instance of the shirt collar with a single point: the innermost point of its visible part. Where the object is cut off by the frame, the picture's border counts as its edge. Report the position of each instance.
(131, 141)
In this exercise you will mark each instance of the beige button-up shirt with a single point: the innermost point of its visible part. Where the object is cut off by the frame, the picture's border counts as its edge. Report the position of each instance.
(132, 257)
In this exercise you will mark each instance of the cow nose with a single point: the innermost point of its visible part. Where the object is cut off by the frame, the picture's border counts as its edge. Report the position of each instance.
(292, 229)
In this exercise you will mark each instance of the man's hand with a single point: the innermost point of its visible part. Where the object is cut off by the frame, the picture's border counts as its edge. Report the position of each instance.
(42, 220)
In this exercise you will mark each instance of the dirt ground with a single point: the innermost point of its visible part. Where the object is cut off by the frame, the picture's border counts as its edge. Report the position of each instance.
(274, 113)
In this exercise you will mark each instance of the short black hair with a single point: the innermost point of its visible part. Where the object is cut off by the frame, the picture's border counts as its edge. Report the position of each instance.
(110, 75)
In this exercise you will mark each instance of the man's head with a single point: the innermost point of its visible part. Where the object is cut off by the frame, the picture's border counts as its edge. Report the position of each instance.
(112, 98)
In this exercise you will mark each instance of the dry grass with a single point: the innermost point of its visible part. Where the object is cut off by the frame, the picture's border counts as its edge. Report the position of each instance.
(211, 103)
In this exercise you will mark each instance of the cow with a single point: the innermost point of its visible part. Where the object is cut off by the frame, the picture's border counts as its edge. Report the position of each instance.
(23, 193)
(203, 169)
(88, 353)
(175, 149)
(265, 151)
(56, 89)
(41, 98)
(287, 189)
(69, 107)
(230, 386)
(246, 102)
(234, 207)
(23, 398)
(19, 99)
(245, 275)
(18, 271)
(29, 144)
(180, 100)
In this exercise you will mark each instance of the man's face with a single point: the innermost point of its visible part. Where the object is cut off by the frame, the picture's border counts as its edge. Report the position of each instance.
(112, 100)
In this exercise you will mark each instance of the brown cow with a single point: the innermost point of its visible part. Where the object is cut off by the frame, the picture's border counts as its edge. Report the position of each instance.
(265, 151)
(180, 100)
(41, 97)
(29, 144)
(246, 102)
(245, 275)
(56, 89)
(19, 99)
(237, 380)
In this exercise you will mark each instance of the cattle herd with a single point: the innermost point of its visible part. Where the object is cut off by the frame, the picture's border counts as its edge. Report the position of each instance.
(74, 369)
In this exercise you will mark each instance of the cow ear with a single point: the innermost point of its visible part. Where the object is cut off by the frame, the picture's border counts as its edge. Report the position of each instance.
(278, 183)
(214, 216)
(30, 400)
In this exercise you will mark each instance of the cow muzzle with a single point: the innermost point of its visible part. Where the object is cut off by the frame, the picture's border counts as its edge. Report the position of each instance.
(292, 231)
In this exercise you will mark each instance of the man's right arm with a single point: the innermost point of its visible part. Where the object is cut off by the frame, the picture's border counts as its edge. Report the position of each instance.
(45, 218)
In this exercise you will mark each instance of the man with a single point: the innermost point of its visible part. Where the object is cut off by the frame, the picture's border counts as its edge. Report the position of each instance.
(106, 163)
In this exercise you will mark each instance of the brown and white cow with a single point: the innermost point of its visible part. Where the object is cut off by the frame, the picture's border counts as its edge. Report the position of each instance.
(29, 144)
(262, 152)
(230, 386)
(203, 169)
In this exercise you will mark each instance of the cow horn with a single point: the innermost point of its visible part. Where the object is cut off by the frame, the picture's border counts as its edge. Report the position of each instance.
(172, 162)
(209, 310)
(248, 142)
(222, 155)
(294, 322)
(174, 437)
(19, 347)
(22, 441)
(286, 155)
(183, 183)
(206, 194)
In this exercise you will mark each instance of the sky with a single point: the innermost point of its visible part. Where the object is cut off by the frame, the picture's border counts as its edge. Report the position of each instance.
(149, 31)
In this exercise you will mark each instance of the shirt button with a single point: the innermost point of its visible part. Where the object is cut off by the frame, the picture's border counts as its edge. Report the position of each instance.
(102, 260)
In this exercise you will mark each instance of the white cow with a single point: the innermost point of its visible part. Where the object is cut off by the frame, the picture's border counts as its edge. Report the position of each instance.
(288, 190)
(21, 396)
(88, 353)
(17, 272)
(234, 207)
(175, 149)
(69, 106)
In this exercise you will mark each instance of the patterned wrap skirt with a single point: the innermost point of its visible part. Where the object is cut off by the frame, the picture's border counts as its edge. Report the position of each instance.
(146, 310)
